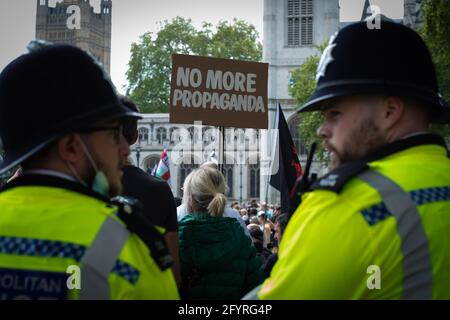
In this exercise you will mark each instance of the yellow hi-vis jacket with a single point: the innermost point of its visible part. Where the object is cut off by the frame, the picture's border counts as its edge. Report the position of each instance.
(48, 229)
(376, 230)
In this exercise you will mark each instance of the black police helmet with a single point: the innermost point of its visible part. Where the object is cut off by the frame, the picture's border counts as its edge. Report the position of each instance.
(391, 60)
(50, 92)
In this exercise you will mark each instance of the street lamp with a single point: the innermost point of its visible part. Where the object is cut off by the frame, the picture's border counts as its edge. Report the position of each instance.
(138, 153)
(240, 178)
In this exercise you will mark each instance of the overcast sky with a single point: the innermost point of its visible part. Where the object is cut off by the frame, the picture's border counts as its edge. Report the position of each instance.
(132, 18)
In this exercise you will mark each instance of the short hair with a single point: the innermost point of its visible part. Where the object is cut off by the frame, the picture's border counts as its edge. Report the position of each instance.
(255, 232)
(282, 220)
(253, 212)
(254, 220)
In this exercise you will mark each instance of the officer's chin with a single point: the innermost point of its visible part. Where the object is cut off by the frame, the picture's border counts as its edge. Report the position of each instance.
(334, 160)
(115, 189)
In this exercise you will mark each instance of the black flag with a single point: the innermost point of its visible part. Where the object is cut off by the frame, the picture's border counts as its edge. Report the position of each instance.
(289, 168)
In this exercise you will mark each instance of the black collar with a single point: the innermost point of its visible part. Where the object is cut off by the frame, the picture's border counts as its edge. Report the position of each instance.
(52, 181)
(403, 144)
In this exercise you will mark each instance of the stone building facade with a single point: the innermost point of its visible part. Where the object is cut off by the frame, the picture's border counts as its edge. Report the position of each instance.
(413, 14)
(190, 145)
(93, 33)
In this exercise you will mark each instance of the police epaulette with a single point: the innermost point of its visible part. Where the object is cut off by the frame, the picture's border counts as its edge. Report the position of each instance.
(130, 212)
(336, 179)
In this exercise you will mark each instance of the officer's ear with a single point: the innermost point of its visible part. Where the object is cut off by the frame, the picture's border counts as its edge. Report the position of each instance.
(69, 149)
(392, 111)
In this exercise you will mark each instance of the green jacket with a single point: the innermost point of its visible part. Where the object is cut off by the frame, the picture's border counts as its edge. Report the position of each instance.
(218, 261)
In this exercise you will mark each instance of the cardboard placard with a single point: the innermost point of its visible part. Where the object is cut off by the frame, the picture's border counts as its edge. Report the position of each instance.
(219, 92)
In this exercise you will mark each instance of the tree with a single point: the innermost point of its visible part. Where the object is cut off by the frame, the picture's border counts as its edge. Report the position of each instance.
(151, 58)
(436, 33)
(302, 87)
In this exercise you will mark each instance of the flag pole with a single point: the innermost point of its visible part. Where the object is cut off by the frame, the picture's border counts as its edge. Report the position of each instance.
(221, 148)
(275, 121)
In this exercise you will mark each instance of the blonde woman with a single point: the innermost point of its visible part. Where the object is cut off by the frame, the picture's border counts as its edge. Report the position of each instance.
(218, 261)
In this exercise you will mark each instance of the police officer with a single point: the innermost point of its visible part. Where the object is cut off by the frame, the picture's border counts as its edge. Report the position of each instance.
(60, 234)
(376, 226)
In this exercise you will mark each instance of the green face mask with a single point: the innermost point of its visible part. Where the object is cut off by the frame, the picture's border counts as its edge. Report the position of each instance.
(100, 183)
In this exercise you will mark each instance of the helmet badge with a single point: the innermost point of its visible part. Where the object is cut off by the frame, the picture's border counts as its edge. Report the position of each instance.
(326, 58)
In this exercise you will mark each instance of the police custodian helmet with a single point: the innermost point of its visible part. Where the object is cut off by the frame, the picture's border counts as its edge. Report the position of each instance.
(390, 60)
(50, 92)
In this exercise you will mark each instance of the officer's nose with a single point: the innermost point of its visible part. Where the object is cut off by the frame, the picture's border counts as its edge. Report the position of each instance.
(323, 131)
(124, 147)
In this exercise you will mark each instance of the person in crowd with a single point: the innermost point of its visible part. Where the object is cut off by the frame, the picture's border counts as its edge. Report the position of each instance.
(218, 261)
(281, 222)
(61, 120)
(257, 237)
(244, 216)
(265, 226)
(229, 211)
(254, 220)
(153, 193)
(253, 213)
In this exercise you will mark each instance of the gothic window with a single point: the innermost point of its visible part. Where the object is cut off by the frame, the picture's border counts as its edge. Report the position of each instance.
(143, 135)
(294, 124)
(193, 135)
(206, 134)
(185, 169)
(299, 22)
(239, 136)
(150, 163)
(161, 135)
(174, 135)
(228, 174)
(253, 185)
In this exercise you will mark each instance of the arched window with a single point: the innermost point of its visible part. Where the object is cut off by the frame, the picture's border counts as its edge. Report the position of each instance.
(294, 124)
(228, 174)
(174, 135)
(253, 185)
(186, 167)
(229, 136)
(239, 136)
(143, 135)
(191, 132)
(194, 135)
(161, 135)
(150, 162)
(206, 134)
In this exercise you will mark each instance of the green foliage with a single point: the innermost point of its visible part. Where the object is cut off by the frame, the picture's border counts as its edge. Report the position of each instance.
(151, 58)
(301, 88)
(436, 33)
